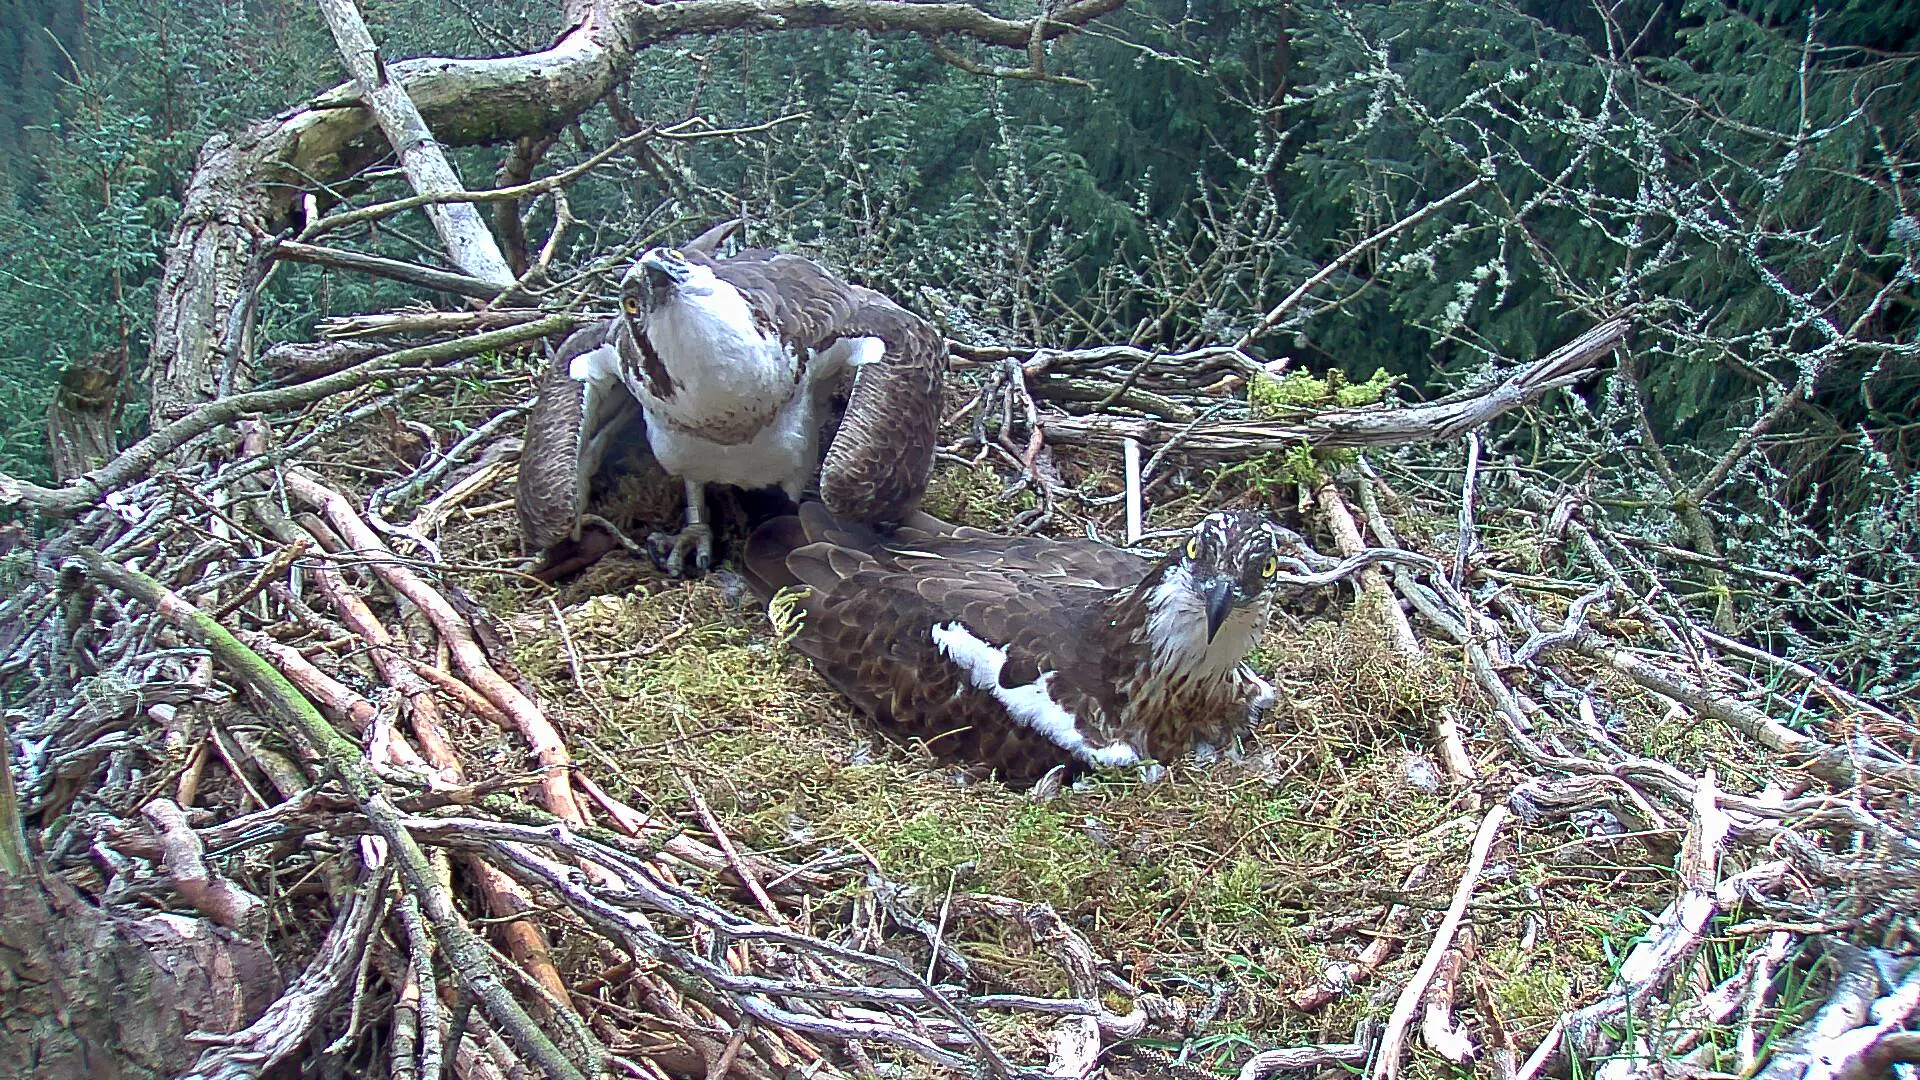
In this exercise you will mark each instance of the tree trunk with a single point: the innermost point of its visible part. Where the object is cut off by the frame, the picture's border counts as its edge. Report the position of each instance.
(89, 995)
(85, 411)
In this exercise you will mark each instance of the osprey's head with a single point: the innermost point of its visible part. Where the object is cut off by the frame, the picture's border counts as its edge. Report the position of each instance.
(1230, 561)
(661, 275)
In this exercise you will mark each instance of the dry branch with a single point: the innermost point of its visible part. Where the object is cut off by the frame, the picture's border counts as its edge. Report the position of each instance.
(210, 893)
(393, 269)
(1393, 1040)
(461, 231)
(254, 184)
(1355, 427)
(462, 948)
(542, 740)
(138, 460)
(291, 1019)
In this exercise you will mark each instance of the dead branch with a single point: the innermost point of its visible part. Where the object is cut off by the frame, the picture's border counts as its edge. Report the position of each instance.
(1357, 427)
(426, 321)
(462, 948)
(291, 1019)
(1310, 1058)
(1823, 759)
(1392, 1042)
(462, 233)
(542, 739)
(211, 894)
(138, 460)
(392, 269)
(1438, 1028)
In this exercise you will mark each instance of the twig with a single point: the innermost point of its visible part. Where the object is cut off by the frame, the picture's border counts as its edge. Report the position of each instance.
(1308, 1058)
(1467, 491)
(740, 868)
(1437, 1027)
(1325, 273)
(1135, 511)
(1392, 1042)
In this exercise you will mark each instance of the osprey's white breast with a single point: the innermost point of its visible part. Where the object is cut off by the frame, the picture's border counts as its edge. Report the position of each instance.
(723, 378)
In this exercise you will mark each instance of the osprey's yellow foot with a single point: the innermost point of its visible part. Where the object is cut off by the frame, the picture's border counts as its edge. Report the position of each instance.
(670, 550)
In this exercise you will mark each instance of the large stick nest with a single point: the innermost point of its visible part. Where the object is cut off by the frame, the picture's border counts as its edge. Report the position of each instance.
(291, 690)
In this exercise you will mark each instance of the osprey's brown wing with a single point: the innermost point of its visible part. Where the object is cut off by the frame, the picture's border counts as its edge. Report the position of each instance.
(911, 634)
(567, 434)
(877, 466)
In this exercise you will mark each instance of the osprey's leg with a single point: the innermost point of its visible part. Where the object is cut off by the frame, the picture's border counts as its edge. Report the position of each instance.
(670, 549)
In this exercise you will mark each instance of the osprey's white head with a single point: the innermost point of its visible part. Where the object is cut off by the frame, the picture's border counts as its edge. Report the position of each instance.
(699, 358)
(661, 276)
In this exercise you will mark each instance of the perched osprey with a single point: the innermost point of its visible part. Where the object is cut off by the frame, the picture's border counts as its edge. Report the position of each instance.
(1024, 653)
(733, 365)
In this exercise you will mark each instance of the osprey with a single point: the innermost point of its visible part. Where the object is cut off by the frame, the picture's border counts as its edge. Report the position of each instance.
(733, 366)
(1025, 653)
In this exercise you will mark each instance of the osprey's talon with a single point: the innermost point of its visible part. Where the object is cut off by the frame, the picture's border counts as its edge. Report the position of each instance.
(669, 550)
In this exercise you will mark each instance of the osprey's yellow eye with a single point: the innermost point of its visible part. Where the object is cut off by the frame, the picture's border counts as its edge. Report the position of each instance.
(631, 306)
(1193, 547)
(1271, 568)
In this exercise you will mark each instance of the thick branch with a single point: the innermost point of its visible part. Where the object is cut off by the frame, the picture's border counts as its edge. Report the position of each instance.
(255, 182)
(464, 235)
(412, 273)
(1358, 427)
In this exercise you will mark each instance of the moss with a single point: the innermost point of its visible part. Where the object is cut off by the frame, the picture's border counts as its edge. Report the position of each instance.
(1277, 396)
(1204, 877)
(973, 495)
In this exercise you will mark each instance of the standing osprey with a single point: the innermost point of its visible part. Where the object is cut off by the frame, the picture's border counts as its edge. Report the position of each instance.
(1024, 653)
(733, 365)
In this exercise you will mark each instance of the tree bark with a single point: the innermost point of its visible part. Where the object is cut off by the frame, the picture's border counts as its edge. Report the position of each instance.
(90, 995)
(253, 184)
(85, 410)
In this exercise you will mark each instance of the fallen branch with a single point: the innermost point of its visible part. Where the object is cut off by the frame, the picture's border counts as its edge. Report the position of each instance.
(211, 894)
(135, 462)
(542, 739)
(290, 1021)
(1824, 760)
(462, 948)
(1309, 1058)
(1437, 1027)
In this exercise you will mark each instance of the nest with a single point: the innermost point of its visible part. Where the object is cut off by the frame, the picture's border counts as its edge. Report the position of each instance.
(290, 696)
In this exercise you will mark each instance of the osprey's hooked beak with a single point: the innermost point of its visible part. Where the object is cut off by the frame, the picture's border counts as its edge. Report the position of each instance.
(1218, 596)
(664, 268)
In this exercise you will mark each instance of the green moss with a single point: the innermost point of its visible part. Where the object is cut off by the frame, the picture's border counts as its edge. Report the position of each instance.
(1208, 874)
(973, 495)
(1285, 395)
